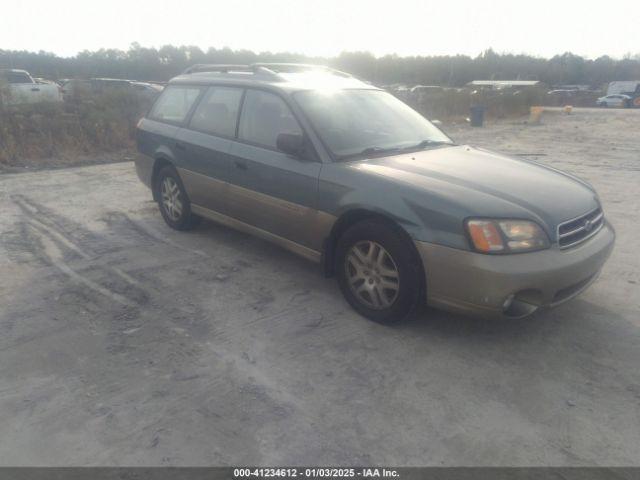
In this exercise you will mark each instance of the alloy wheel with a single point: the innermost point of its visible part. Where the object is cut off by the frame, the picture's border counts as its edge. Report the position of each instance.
(372, 275)
(171, 201)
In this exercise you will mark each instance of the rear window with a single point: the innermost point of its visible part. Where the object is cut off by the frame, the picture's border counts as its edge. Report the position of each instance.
(174, 104)
(217, 112)
(17, 77)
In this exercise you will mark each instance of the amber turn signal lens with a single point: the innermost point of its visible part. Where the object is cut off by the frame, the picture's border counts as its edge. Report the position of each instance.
(485, 236)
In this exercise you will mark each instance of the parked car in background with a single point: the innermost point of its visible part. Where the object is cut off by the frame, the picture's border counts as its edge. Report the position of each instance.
(46, 81)
(348, 176)
(418, 89)
(399, 91)
(148, 90)
(573, 96)
(75, 88)
(21, 88)
(561, 91)
(78, 87)
(615, 100)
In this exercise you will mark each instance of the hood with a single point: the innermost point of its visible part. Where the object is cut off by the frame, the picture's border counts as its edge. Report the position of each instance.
(548, 194)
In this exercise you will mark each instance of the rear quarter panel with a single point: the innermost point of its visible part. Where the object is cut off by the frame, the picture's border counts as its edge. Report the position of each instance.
(154, 140)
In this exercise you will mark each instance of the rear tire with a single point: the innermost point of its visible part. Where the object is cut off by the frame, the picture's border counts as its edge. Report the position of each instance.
(173, 201)
(379, 271)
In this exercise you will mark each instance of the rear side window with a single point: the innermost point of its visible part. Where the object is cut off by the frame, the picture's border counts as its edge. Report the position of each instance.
(18, 77)
(174, 104)
(264, 117)
(217, 112)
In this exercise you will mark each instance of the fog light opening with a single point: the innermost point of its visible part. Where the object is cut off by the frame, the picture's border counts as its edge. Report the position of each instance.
(507, 303)
(522, 303)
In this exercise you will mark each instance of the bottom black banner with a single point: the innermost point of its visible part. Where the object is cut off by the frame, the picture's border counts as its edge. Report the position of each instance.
(237, 473)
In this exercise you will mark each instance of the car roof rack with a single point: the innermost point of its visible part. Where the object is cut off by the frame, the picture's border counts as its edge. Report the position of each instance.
(297, 67)
(270, 71)
(226, 68)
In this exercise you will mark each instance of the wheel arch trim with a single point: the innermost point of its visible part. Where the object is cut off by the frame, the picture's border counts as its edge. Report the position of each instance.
(159, 161)
(350, 217)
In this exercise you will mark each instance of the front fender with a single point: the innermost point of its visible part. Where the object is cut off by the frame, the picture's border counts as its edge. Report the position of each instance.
(425, 216)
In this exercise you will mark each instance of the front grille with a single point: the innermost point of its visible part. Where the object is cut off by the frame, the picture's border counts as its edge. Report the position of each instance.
(579, 229)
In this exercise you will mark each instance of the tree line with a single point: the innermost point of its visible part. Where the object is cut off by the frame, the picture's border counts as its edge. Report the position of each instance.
(160, 64)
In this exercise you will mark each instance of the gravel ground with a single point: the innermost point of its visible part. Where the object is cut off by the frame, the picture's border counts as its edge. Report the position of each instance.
(125, 343)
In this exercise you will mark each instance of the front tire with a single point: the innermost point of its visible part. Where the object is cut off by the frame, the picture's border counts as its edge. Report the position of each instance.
(173, 201)
(379, 271)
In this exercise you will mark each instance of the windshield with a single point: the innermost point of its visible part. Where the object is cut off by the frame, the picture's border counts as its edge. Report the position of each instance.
(356, 123)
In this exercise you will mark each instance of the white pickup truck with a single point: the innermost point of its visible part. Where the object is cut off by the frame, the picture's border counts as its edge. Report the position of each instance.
(17, 86)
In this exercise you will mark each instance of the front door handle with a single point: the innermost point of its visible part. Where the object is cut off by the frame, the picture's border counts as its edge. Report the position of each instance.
(241, 165)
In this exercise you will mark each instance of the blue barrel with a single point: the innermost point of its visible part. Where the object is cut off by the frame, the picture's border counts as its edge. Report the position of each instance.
(477, 116)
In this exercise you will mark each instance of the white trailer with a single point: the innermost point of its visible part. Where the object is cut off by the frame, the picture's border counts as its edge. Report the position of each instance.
(628, 87)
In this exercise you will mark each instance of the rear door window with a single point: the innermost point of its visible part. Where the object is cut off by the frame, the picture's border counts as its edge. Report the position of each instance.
(264, 117)
(217, 112)
(18, 77)
(174, 104)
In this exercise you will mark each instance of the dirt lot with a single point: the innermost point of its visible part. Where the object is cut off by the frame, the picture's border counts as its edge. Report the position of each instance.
(123, 342)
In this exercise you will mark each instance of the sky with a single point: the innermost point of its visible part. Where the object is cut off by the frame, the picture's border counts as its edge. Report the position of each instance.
(327, 27)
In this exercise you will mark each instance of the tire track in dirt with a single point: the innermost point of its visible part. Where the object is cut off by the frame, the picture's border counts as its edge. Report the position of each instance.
(57, 241)
(141, 328)
(90, 260)
(146, 232)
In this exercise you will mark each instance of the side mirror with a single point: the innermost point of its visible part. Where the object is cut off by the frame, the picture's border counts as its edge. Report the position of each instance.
(291, 143)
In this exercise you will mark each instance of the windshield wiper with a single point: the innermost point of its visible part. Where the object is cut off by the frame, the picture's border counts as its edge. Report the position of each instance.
(383, 150)
(427, 143)
(369, 151)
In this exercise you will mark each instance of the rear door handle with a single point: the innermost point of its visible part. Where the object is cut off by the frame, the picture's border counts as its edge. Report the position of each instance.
(241, 165)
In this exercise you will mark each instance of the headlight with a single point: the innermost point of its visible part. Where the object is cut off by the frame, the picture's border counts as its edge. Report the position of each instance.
(506, 236)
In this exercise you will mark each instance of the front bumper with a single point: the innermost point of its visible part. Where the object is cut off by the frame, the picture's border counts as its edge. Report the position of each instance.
(511, 285)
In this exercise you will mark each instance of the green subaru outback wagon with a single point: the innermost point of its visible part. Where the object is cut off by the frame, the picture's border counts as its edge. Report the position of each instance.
(348, 176)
